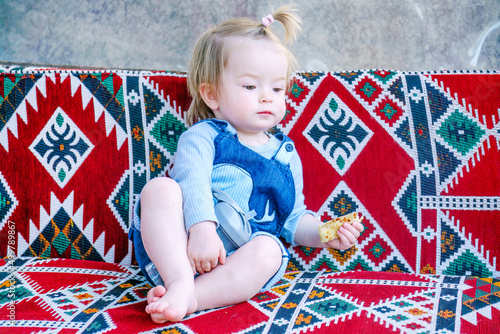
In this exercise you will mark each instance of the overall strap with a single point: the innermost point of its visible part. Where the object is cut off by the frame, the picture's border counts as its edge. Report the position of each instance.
(286, 151)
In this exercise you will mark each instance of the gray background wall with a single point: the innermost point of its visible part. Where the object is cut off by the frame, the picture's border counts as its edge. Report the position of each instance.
(337, 34)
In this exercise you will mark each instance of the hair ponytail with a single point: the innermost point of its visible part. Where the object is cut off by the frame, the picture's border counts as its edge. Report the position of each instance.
(287, 16)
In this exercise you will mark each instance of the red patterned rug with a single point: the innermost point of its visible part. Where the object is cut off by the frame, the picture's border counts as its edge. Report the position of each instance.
(78, 296)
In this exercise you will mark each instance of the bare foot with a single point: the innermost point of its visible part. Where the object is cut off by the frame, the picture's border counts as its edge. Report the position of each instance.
(155, 293)
(172, 304)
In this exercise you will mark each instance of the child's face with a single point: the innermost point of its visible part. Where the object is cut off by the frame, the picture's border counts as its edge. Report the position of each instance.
(251, 96)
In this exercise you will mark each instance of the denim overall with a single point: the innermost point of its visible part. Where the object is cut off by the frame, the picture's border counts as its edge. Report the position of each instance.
(270, 186)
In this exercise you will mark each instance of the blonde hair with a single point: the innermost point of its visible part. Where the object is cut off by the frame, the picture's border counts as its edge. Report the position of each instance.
(211, 53)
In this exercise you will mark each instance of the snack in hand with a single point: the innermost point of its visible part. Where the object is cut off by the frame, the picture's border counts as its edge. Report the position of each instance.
(328, 230)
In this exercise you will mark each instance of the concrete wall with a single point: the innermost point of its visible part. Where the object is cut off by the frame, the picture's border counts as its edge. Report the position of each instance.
(337, 34)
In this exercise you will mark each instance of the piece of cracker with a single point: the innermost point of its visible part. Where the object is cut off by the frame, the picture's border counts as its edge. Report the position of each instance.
(328, 230)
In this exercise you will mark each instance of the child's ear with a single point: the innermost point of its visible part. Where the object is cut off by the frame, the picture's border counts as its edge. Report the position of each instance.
(209, 95)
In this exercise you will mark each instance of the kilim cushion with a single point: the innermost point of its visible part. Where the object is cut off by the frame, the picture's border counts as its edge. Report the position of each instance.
(417, 154)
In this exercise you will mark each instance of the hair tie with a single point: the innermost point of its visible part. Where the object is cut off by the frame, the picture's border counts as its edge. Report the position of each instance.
(267, 20)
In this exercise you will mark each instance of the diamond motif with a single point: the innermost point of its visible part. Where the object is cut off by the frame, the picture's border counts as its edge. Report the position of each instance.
(298, 91)
(461, 132)
(332, 307)
(368, 89)
(167, 130)
(61, 147)
(389, 111)
(338, 133)
(342, 204)
(378, 250)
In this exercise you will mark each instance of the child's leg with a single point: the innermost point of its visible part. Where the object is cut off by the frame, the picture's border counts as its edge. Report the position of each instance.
(165, 241)
(245, 273)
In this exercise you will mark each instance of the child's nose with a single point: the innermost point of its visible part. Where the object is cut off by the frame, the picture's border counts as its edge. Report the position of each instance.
(266, 96)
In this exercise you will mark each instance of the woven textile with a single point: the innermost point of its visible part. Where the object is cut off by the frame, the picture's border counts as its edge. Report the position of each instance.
(416, 153)
(78, 296)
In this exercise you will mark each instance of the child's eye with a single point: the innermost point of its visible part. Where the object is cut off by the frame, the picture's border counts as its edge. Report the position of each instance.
(278, 90)
(249, 87)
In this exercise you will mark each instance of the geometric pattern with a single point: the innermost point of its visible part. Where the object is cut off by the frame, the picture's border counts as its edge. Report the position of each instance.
(93, 139)
(435, 144)
(338, 133)
(416, 153)
(98, 297)
(61, 234)
(61, 147)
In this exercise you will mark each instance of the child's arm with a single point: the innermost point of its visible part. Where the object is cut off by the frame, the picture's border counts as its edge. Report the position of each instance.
(192, 170)
(205, 249)
(307, 234)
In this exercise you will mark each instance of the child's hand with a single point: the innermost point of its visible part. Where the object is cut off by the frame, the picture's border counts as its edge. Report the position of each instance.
(348, 235)
(205, 249)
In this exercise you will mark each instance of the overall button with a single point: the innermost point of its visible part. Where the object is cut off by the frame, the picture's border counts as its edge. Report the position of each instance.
(289, 147)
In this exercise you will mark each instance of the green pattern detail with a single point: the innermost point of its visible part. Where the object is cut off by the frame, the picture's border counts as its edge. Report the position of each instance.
(368, 89)
(333, 105)
(46, 254)
(401, 303)
(20, 291)
(296, 90)
(5, 202)
(468, 264)
(61, 175)
(325, 261)
(75, 254)
(389, 111)
(332, 307)
(167, 131)
(398, 317)
(461, 132)
(108, 83)
(377, 250)
(307, 250)
(359, 262)
(123, 200)
(411, 202)
(60, 243)
(60, 119)
(340, 162)
(8, 85)
(384, 79)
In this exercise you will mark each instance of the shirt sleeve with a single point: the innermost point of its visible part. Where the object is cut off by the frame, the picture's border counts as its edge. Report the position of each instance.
(192, 170)
(299, 208)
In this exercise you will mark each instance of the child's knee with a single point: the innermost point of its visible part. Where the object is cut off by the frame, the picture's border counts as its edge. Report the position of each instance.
(162, 186)
(267, 252)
